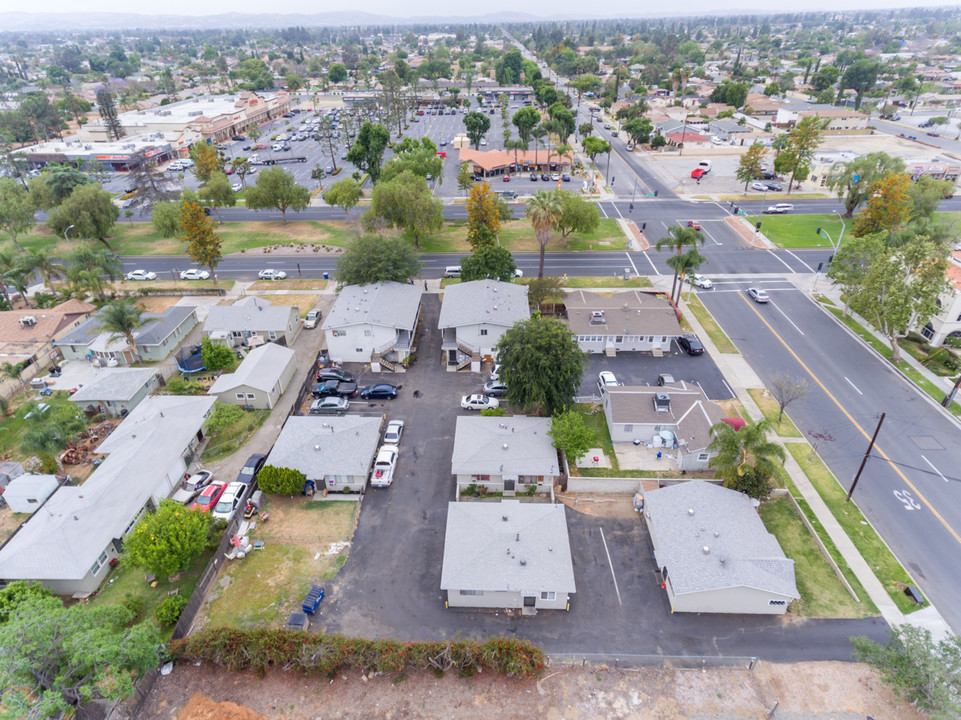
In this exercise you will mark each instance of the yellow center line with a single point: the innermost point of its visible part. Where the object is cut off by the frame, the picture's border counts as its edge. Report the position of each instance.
(854, 422)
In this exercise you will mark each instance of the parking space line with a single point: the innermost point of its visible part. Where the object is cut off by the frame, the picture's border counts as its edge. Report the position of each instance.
(611, 565)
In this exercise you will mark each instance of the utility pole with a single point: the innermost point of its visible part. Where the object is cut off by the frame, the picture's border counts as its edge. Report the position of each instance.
(865, 458)
(949, 398)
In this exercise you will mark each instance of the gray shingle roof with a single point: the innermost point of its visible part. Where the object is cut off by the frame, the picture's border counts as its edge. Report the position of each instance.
(156, 327)
(321, 446)
(483, 301)
(114, 384)
(689, 410)
(694, 515)
(503, 445)
(482, 550)
(249, 314)
(390, 304)
(261, 369)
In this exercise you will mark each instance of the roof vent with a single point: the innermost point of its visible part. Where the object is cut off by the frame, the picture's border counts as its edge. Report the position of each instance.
(517, 537)
(706, 550)
(505, 446)
(28, 321)
(690, 511)
(504, 518)
(523, 561)
(550, 549)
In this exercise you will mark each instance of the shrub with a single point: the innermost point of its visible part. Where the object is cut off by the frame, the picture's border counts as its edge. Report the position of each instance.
(167, 540)
(281, 481)
(223, 417)
(134, 603)
(168, 612)
(217, 356)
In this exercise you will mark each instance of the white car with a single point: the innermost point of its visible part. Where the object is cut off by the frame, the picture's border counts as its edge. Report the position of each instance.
(395, 428)
(701, 281)
(759, 186)
(194, 274)
(141, 275)
(271, 274)
(779, 209)
(605, 378)
(518, 273)
(191, 486)
(478, 402)
(495, 372)
(758, 295)
(236, 187)
(382, 475)
(313, 317)
(232, 499)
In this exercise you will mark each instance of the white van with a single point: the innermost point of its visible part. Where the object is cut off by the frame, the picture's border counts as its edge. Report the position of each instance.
(232, 499)
(705, 165)
(452, 271)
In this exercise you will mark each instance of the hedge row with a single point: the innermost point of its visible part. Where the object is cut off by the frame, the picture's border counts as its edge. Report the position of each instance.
(260, 649)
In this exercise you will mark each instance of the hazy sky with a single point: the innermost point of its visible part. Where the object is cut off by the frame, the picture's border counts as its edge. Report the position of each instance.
(409, 8)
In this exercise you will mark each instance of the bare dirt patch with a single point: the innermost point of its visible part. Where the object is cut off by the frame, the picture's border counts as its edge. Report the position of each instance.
(303, 284)
(10, 521)
(304, 303)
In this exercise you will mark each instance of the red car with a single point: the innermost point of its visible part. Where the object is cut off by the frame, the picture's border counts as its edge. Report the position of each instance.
(694, 224)
(208, 498)
(507, 178)
(698, 173)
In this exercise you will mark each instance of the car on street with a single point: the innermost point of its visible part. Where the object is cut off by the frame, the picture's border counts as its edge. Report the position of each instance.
(271, 274)
(534, 177)
(694, 224)
(495, 388)
(395, 428)
(778, 209)
(194, 274)
(248, 473)
(329, 406)
(555, 177)
(233, 498)
(334, 374)
(329, 388)
(382, 474)
(141, 275)
(605, 378)
(758, 295)
(565, 177)
(698, 280)
(380, 391)
(545, 177)
(506, 178)
(452, 271)
(209, 497)
(690, 344)
(698, 173)
(762, 187)
(478, 402)
(191, 486)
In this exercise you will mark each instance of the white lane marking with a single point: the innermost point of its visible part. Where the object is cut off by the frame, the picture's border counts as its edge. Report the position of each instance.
(934, 468)
(800, 261)
(787, 318)
(782, 262)
(603, 540)
(733, 394)
(618, 210)
(855, 387)
(600, 206)
(713, 239)
(656, 271)
(631, 261)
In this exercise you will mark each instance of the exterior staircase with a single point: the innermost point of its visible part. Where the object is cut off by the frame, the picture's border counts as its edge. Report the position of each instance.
(472, 356)
(387, 364)
(610, 351)
(657, 352)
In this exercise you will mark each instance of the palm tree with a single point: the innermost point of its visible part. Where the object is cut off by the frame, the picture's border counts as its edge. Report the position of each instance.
(744, 453)
(88, 267)
(679, 238)
(682, 265)
(18, 279)
(8, 261)
(44, 264)
(543, 210)
(120, 318)
(11, 371)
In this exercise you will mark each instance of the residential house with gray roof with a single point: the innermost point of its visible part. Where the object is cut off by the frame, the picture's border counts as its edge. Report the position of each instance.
(630, 321)
(70, 545)
(159, 336)
(252, 321)
(504, 454)
(259, 380)
(474, 315)
(714, 554)
(373, 324)
(334, 453)
(509, 555)
(115, 391)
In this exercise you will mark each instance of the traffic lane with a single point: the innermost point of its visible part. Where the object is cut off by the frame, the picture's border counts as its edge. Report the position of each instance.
(894, 504)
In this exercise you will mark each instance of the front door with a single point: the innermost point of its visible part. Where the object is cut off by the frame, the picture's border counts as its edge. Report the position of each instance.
(530, 600)
(508, 485)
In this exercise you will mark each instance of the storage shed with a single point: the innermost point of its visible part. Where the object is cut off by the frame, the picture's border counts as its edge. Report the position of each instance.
(26, 493)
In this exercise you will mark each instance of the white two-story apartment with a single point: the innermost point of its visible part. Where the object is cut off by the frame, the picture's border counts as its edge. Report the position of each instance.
(474, 315)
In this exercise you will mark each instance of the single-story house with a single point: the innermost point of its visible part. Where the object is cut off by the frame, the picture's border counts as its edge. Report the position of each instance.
(116, 391)
(509, 555)
(26, 493)
(252, 317)
(334, 453)
(688, 139)
(676, 417)
(835, 118)
(28, 335)
(714, 554)
(504, 454)
(69, 546)
(373, 324)
(159, 336)
(474, 315)
(259, 380)
(630, 321)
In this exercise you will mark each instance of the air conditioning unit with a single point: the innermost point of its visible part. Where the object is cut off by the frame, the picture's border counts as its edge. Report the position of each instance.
(28, 321)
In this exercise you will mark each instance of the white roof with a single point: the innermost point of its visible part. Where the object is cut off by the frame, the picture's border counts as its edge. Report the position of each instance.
(488, 302)
(261, 370)
(250, 314)
(388, 304)
(324, 446)
(117, 384)
(514, 445)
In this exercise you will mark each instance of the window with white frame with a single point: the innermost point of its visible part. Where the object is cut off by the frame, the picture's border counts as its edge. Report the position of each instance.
(471, 592)
(251, 396)
(239, 396)
(551, 595)
(101, 561)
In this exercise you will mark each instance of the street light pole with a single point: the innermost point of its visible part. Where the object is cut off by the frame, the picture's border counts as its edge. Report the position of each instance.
(69, 228)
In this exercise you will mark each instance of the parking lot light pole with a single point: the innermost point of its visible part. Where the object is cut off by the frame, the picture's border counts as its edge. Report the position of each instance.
(69, 228)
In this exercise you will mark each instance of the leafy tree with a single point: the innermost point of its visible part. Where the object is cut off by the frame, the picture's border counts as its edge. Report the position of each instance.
(281, 480)
(476, 124)
(337, 73)
(17, 592)
(344, 194)
(60, 180)
(679, 239)
(218, 193)
(166, 219)
(544, 210)
(168, 612)
(730, 93)
(276, 189)
(367, 152)
(585, 129)
(197, 233)
(595, 146)
(167, 540)
(483, 216)
(888, 207)
(861, 75)
(465, 178)
(854, 182)
(825, 78)
(207, 160)
(12, 371)
(639, 129)
(525, 120)
(371, 259)
(852, 262)
(406, 202)
(417, 157)
(46, 265)
(120, 318)
(488, 261)
(541, 364)
(55, 659)
(16, 210)
(90, 210)
(241, 167)
(88, 267)
(803, 141)
(917, 668)
(217, 356)
(545, 289)
(571, 434)
(658, 141)
(50, 430)
(577, 214)
(926, 194)
(744, 452)
(108, 113)
(750, 164)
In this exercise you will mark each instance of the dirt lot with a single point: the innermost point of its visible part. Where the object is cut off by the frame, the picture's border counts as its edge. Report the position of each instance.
(808, 691)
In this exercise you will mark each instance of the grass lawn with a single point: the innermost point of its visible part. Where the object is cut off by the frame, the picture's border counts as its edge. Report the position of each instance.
(304, 301)
(607, 282)
(885, 566)
(227, 441)
(718, 337)
(768, 406)
(303, 284)
(518, 236)
(822, 594)
(266, 586)
(800, 231)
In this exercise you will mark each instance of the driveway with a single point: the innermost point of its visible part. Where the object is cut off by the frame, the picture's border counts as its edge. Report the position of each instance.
(643, 369)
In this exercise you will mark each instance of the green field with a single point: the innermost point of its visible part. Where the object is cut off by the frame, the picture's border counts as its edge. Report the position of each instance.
(518, 236)
(800, 231)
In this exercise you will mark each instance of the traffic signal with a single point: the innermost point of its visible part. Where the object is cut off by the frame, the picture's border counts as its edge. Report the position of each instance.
(758, 226)
(819, 230)
(643, 227)
(655, 193)
(736, 208)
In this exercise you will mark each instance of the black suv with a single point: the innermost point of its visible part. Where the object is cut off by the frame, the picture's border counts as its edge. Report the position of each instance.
(334, 374)
(327, 388)
(690, 344)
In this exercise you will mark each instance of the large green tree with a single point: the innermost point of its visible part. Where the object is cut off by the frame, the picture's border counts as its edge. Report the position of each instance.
(344, 194)
(488, 261)
(406, 202)
(197, 234)
(167, 540)
(416, 156)
(854, 181)
(745, 459)
(372, 258)
(571, 434)
(476, 124)
(803, 141)
(750, 164)
(276, 189)
(90, 210)
(541, 364)
(16, 210)
(525, 120)
(577, 215)
(852, 262)
(367, 152)
(218, 193)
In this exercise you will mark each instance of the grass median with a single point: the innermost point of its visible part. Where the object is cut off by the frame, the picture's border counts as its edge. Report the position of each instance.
(713, 330)
(768, 406)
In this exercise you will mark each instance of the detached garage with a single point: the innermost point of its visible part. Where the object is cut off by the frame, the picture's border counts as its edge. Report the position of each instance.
(28, 492)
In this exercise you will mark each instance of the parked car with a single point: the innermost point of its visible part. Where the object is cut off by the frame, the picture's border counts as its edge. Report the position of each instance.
(565, 177)
(395, 428)
(690, 344)
(272, 274)
(194, 274)
(774, 187)
(555, 177)
(329, 406)
(762, 187)
(141, 275)
(698, 173)
(209, 497)
(495, 371)
(545, 177)
(330, 388)
(382, 474)
(334, 374)
(232, 498)
(380, 391)
(534, 177)
(758, 295)
(452, 271)
(506, 178)
(605, 378)
(698, 280)
(191, 486)
(313, 317)
(694, 224)
(236, 187)
(665, 379)
(779, 209)
(478, 402)
(495, 388)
